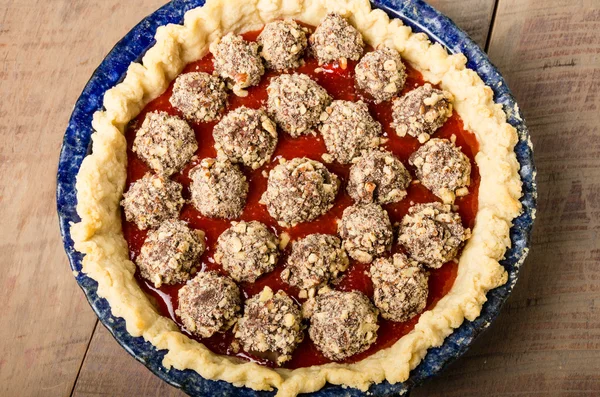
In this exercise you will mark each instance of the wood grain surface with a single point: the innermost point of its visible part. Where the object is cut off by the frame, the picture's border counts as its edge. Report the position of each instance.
(546, 340)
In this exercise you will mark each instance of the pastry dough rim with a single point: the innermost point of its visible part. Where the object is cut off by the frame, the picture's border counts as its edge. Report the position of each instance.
(101, 180)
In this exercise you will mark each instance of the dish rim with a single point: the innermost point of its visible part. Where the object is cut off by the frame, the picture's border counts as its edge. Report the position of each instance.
(416, 14)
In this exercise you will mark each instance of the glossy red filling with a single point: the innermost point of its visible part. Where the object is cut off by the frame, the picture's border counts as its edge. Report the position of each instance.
(340, 85)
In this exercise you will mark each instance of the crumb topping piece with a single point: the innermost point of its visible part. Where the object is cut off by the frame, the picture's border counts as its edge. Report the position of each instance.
(296, 103)
(299, 190)
(247, 250)
(442, 168)
(272, 324)
(400, 287)
(314, 261)
(381, 74)
(336, 40)
(378, 176)
(283, 44)
(342, 324)
(366, 231)
(348, 129)
(246, 136)
(218, 188)
(169, 254)
(209, 303)
(166, 143)
(199, 96)
(421, 112)
(238, 62)
(432, 233)
(152, 200)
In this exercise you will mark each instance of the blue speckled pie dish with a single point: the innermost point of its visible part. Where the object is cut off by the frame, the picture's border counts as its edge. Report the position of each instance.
(77, 142)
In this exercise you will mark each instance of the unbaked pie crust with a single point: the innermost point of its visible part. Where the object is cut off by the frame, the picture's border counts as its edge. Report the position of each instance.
(102, 176)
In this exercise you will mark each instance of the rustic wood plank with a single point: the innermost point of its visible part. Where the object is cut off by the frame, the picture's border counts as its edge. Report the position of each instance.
(547, 339)
(473, 16)
(48, 49)
(108, 370)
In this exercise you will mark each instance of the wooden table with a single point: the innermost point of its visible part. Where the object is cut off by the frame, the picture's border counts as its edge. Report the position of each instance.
(547, 339)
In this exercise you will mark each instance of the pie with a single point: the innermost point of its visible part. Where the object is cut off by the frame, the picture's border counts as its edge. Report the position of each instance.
(297, 192)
